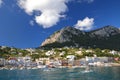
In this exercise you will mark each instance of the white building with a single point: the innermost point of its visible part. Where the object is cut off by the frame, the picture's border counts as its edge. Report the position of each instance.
(70, 57)
(79, 52)
(62, 53)
(113, 52)
(48, 53)
(89, 51)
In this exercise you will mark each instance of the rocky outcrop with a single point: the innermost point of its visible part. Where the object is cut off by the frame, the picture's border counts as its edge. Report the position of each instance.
(64, 35)
(105, 32)
(106, 37)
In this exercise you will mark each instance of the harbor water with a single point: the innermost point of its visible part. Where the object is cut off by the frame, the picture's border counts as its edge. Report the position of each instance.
(94, 73)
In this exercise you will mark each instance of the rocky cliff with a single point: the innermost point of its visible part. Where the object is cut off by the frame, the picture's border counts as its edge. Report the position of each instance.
(106, 37)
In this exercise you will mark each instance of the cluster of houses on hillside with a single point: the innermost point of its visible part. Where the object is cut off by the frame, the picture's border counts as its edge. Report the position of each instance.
(27, 61)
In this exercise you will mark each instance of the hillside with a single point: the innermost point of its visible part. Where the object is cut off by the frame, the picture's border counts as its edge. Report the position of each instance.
(107, 37)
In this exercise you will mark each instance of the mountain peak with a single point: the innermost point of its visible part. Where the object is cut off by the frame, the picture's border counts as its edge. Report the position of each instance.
(63, 35)
(72, 37)
(110, 27)
(105, 31)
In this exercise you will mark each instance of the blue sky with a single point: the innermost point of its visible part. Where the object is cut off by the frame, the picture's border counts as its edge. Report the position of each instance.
(26, 24)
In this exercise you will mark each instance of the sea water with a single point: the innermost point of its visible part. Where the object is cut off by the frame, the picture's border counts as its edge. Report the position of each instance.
(95, 73)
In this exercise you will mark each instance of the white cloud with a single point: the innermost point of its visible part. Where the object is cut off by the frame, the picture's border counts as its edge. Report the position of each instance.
(88, 1)
(50, 11)
(32, 23)
(85, 24)
(1, 2)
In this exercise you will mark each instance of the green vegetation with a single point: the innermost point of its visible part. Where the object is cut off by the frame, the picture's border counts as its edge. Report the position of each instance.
(60, 53)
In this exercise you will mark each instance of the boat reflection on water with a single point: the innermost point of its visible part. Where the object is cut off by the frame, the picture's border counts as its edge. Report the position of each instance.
(49, 68)
(87, 69)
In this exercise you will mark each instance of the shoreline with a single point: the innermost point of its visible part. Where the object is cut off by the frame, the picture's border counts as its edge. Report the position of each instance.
(27, 68)
(114, 64)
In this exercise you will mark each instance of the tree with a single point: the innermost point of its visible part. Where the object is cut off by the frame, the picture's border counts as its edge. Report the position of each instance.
(35, 56)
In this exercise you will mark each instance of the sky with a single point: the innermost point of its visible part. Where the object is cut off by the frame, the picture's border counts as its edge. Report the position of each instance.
(27, 23)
